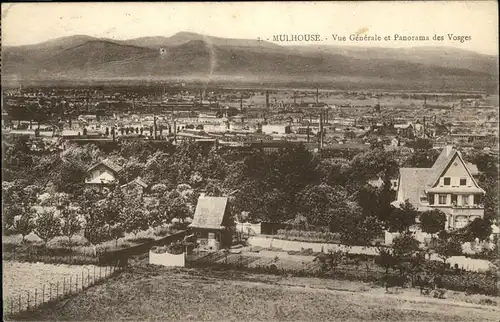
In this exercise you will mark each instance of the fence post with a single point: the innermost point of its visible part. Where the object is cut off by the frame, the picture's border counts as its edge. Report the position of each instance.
(93, 280)
(70, 282)
(100, 271)
(11, 306)
(82, 279)
(57, 289)
(76, 284)
(64, 286)
(28, 307)
(36, 297)
(50, 292)
(19, 302)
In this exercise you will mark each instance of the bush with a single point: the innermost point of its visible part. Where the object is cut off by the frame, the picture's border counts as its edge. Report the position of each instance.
(294, 234)
(162, 231)
(63, 242)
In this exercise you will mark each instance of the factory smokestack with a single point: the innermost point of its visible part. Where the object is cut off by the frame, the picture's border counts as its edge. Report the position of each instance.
(267, 99)
(320, 131)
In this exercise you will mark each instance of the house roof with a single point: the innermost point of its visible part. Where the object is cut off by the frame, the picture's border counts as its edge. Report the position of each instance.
(445, 158)
(472, 168)
(137, 181)
(209, 212)
(107, 163)
(413, 183)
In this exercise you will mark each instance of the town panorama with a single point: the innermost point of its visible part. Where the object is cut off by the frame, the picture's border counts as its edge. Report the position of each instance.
(203, 178)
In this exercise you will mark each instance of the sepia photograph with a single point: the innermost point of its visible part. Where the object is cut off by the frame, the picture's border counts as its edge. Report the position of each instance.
(250, 161)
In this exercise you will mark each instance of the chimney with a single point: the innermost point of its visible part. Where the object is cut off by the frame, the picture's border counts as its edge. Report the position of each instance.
(448, 149)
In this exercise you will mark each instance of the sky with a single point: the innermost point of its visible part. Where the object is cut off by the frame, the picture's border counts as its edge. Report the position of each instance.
(28, 23)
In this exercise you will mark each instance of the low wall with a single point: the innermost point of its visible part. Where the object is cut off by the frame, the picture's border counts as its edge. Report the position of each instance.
(167, 259)
(463, 262)
(124, 254)
(248, 228)
(288, 245)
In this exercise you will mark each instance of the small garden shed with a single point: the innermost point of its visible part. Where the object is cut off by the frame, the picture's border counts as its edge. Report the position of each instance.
(212, 224)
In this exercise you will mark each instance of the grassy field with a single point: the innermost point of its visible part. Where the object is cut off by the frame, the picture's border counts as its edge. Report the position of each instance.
(31, 284)
(153, 293)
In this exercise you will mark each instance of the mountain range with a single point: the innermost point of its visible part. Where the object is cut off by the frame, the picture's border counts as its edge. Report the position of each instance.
(195, 56)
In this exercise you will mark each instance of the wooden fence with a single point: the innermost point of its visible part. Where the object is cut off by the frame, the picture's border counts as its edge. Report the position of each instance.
(38, 297)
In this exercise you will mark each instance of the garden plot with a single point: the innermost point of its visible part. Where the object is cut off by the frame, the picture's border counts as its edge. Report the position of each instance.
(44, 282)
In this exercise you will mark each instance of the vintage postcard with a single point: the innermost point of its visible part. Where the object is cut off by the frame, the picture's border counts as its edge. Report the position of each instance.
(250, 161)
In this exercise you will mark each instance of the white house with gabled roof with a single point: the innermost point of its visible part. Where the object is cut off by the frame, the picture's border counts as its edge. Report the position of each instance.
(103, 172)
(449, 185)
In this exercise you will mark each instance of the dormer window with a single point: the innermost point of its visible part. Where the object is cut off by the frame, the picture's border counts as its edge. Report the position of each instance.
(447, 181)
(463, 181)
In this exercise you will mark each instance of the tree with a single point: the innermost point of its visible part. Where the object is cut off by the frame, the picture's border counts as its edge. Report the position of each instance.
(132, 169)
(404, 248)
(446, 248)
(375, 163)
(321, 204)
(432, 221)
(24, 224)
(71, 224)
(479, 228)
(133, 217)
(96, 232)
(402, 218)
(420, 144)
(48, 226)
(386, 259)
(422, 158)
(17, 199)
(356, 229)
(116, 232)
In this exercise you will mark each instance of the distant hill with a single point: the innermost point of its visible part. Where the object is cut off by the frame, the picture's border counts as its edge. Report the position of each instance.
(448, 57)
(188, 55)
